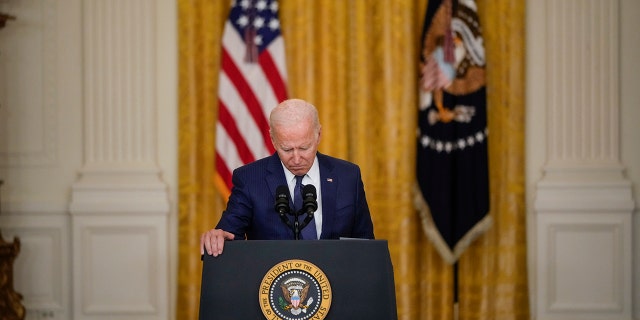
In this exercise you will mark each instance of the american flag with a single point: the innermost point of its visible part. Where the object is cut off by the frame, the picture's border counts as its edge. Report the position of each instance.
(253, 80)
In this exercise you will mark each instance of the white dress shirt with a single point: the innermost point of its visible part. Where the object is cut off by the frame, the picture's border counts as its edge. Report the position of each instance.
(312, 177)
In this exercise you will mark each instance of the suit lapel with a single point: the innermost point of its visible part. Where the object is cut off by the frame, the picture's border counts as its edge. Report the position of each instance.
(329, 185)
(275, 176)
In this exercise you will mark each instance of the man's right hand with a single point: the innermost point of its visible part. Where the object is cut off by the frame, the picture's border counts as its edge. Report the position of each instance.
(213, 241)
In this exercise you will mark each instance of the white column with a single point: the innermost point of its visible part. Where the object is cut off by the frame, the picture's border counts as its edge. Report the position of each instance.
(120, 203)
(584, 202)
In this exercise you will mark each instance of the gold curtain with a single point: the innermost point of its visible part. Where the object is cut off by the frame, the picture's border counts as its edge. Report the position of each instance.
(357, 61)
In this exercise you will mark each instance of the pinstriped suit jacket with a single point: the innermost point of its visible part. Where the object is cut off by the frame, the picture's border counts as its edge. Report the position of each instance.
(250, 210)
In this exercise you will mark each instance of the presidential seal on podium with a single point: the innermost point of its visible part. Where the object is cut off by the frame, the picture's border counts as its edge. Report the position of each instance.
(295, 290)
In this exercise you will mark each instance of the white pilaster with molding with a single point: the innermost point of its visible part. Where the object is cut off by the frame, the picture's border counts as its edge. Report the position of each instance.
(120, 203)
(584, 202)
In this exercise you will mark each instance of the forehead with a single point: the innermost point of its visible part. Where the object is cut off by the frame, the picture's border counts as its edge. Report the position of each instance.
(294, 136)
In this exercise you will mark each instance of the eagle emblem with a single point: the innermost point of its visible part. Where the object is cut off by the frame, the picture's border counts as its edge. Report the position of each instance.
(294, 291)
(453, 61)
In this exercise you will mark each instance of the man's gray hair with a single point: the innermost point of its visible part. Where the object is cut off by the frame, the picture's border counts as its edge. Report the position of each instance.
(293, 111)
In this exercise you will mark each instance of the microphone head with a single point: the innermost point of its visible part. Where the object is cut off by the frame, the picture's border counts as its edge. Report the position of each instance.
(309, 192)
(282, 191)
(282, 200)
(309, 197)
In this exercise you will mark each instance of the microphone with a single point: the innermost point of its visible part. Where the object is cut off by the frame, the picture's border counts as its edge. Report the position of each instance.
(282, 200)
(309, 196)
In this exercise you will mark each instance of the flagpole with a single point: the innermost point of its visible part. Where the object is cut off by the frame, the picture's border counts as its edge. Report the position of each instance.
(455, 291)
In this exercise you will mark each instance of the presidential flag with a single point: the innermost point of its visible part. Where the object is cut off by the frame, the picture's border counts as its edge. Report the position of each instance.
(451, 167)
(252, 82)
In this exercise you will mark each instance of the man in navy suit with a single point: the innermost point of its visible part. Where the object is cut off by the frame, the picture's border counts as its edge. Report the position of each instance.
(342, 205)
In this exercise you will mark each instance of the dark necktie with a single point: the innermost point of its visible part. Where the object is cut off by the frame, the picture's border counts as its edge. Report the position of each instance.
(309, 232)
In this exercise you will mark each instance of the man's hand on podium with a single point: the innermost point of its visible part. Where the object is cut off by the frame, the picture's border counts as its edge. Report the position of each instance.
(213, 241)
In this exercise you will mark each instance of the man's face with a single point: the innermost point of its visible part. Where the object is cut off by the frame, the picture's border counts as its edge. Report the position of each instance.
(296, 146)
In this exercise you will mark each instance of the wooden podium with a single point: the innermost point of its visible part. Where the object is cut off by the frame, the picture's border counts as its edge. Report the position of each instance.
(308, 279)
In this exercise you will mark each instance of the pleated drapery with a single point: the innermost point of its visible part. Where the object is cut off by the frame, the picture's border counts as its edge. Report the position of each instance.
(357, 61)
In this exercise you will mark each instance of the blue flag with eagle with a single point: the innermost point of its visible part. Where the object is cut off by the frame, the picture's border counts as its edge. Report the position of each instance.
(452, 167)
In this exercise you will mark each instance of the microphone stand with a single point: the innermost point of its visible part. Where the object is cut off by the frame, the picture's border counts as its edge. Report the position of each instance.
(283, 209)
(296, 225)
(284, 219)
(307, 219)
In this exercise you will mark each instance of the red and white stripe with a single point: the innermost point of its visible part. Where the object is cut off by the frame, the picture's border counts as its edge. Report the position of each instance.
(247, 94)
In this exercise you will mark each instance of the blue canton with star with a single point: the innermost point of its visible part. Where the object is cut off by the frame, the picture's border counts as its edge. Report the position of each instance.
(262, 15)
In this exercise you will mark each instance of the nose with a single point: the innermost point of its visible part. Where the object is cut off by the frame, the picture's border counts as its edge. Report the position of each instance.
(296, 156)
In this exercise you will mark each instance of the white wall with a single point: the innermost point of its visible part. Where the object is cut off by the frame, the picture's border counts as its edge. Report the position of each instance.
(41, 146)
(88, 112)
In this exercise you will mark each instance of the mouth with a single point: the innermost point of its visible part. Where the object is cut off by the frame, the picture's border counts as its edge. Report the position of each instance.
(297, 170)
